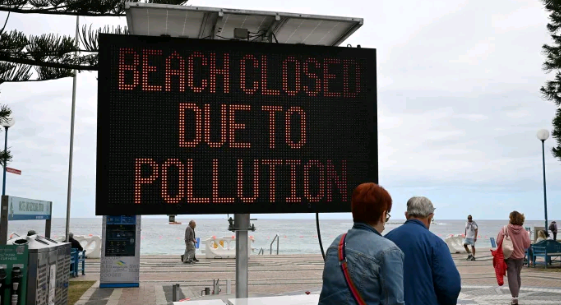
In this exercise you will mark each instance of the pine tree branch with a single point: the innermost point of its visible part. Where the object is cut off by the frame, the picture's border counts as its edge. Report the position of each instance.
(5, 157)
(90, 8)
(51, 56)
(10, 72)
(5, 23)
(556, 134)
(552, 89)
(39, 63)
(89, 38)
(33, 80)
(5, 113)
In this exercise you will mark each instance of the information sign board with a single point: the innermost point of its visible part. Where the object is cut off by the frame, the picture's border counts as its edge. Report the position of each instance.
(193, 126)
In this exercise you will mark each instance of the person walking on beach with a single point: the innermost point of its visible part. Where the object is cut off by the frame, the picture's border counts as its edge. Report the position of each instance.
(430, 275)
(553, 229)
(471, 237)
(361, 266)
(520, 242)
(190, 241)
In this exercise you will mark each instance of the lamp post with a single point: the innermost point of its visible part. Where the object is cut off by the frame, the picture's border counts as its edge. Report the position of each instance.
(543, 134)
(7, 123)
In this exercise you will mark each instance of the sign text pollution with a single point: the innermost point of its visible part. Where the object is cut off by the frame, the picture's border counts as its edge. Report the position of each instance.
(203, 127)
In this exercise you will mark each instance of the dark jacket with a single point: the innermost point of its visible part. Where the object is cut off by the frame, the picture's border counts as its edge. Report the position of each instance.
(553, 227)
(430, 276)
(75, 244)
(375, 266)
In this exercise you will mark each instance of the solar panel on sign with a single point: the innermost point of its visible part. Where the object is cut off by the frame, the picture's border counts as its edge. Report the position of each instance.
(219, 23)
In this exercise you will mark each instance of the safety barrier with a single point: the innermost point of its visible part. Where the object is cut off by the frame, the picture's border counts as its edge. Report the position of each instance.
(224, 247)
(455, 243)
(90, 243)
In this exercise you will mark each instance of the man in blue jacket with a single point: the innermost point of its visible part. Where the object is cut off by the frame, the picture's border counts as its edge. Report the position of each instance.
(429, 274)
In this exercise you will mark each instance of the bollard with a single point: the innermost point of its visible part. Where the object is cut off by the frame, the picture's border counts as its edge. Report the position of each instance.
(174, 289)
(205, 291)
(228, 286)
(216, 286)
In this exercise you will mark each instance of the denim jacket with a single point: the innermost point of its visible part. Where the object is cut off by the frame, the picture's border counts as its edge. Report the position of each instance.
(375, 265)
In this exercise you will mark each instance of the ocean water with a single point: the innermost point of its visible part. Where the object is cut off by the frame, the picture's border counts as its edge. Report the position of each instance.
(296, 236)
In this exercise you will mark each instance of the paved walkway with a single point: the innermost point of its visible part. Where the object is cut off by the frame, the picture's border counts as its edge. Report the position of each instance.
(294, 274)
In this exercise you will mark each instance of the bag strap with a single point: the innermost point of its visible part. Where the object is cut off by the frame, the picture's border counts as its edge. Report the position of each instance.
(505, 231)
(343, 263)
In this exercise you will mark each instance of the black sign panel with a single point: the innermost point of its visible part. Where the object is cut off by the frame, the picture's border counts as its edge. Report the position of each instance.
(190, 126)
(120, 236)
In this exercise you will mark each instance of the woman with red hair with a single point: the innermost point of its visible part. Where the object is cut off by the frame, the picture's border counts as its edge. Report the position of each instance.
(361, 266)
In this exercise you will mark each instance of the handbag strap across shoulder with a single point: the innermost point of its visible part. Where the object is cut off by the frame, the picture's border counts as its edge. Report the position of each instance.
(345, 268)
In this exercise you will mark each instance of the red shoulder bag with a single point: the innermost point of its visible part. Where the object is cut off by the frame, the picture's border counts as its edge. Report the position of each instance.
(345, 268)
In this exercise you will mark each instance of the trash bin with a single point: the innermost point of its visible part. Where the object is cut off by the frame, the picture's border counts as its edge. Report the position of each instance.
(63, 250)
(48, 270)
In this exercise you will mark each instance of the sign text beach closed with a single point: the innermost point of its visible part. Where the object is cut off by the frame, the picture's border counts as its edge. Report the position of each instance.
(206, 127)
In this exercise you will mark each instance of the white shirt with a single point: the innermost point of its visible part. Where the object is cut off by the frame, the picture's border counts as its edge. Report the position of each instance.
(470, 229)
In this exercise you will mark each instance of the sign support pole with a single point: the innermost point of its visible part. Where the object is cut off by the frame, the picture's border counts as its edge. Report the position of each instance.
(48, 223)
(241, 223)
(70, 156)
(4, 221)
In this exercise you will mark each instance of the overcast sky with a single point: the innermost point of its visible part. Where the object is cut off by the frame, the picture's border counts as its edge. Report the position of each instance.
(459, 107)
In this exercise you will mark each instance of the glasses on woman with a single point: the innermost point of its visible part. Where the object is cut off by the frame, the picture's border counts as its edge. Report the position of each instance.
(388, 216)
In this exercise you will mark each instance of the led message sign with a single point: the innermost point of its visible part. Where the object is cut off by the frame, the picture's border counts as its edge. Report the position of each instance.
(189, 126)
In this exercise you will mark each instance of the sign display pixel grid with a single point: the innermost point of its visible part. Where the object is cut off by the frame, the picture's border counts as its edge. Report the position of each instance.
(191, 126)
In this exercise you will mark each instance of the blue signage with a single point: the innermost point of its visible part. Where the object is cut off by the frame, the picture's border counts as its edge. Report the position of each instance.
(121, 220)
(28, 209)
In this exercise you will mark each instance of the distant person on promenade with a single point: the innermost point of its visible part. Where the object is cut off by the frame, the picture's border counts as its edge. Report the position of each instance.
(553, 229)
(471, 231)
(361, 266)
(190, 241)
(430, 275)
(520, 242)
(195, 253)
(541, 236)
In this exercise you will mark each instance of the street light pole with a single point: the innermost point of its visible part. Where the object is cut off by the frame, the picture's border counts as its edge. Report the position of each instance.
(544, 188)
(543, 134)
(5, 161)
(7, 123)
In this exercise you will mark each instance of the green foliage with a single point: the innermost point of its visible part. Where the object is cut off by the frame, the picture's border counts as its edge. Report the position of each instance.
(5, 113)
(552, 89)
(51, 56)
(74, 7)
(557, 133)
(5, 156)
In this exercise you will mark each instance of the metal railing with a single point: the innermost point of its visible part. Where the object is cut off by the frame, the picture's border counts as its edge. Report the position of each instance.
(277, 238)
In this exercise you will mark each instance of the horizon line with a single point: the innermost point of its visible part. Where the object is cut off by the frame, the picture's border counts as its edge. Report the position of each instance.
(346, 219)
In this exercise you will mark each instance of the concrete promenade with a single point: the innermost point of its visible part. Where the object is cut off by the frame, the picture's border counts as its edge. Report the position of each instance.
(295, 274)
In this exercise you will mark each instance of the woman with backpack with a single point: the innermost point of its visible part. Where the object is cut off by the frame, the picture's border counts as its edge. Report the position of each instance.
(514, 240)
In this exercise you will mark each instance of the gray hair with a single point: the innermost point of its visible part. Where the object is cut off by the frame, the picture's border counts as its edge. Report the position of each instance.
(419, 206)
(70, 235)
